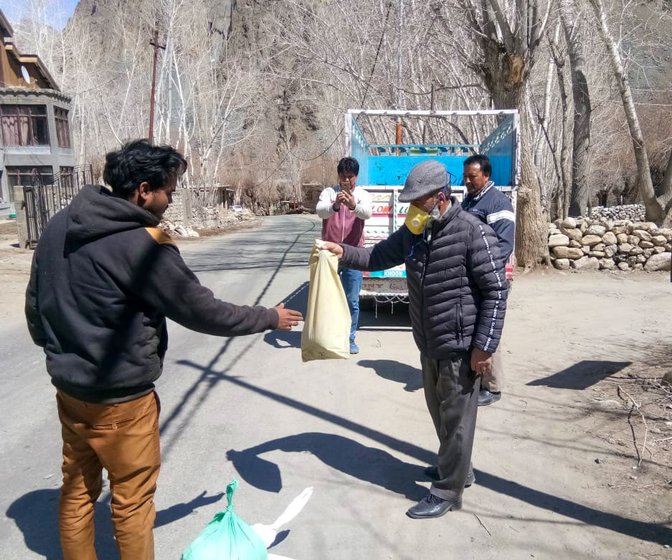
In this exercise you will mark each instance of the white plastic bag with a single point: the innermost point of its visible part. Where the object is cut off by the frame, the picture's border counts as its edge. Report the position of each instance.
(326, 331)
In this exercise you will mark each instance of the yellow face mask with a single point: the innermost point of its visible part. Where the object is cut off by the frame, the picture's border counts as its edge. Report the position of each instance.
(416, 219)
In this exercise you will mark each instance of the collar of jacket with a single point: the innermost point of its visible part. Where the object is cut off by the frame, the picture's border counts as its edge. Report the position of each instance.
(448, 214)
(482, 192)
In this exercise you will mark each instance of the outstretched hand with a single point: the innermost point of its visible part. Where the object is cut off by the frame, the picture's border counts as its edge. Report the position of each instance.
(287, 318)
(333, 248)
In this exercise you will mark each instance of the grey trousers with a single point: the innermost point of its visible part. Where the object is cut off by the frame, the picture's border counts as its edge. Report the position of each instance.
(451, 393)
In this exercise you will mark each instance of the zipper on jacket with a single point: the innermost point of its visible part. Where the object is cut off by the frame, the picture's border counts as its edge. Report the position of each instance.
(422, 286)
(460, 320)
(342, 225)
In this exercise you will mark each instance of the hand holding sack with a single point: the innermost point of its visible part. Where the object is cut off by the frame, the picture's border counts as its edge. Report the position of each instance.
(326, 331)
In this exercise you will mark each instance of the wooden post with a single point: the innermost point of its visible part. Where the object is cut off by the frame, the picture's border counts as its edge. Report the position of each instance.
(155, 44)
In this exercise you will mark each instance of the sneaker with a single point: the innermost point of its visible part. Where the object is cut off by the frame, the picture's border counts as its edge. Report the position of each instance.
(354, 349)
(486, 397)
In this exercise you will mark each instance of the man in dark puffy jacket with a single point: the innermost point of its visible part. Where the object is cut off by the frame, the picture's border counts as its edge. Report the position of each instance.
(104, 279)
(457, 293)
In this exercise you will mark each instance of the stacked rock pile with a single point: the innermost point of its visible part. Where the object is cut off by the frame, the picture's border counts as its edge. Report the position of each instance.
(602, 244)
(632, 212)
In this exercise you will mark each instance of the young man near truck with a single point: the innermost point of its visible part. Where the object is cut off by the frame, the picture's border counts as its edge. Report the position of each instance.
(343, 209)
(103, 280)
(494, 208)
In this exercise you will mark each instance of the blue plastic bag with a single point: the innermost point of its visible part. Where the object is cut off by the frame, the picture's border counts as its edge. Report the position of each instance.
(227, 537)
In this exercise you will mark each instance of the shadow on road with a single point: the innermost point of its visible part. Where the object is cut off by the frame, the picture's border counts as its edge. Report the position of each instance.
(350, 457)
(581, 375)
(36, 516)
(396, 371)
(653, 532)
(256, 468)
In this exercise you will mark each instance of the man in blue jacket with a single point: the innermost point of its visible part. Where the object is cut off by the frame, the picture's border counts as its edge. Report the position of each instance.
(494, 208)
(103, 280)
(457, 297)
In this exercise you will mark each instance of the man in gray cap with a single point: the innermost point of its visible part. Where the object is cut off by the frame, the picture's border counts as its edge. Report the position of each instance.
(457, 294)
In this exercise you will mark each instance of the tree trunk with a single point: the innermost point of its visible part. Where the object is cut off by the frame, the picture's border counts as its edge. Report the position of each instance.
(566, 169)
(531, 228)
(506, 75)
(582, 109)
(654, 210)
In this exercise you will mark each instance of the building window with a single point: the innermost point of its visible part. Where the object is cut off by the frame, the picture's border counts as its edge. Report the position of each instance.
(62, 127)
(27, 176)
(24, 125)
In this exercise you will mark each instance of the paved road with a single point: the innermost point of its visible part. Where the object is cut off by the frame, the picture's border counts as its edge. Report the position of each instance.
(357, 431)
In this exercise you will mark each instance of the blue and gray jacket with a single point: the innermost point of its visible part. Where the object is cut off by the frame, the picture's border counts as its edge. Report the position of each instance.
(494, 208)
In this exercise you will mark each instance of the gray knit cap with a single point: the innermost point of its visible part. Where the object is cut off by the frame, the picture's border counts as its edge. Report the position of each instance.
(425, 178)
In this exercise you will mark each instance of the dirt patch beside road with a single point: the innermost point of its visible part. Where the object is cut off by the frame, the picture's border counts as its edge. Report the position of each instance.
(14, 272)
(585, 353)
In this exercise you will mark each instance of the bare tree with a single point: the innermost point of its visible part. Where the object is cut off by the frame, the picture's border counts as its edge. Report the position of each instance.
(507, 34)
(575, 38)
(658, 203)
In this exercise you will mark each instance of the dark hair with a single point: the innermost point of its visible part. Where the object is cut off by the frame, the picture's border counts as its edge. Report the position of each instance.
(348, 165)
(139, 161)
(482, 161)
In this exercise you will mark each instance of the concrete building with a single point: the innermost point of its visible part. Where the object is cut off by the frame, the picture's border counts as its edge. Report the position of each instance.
(34, 121)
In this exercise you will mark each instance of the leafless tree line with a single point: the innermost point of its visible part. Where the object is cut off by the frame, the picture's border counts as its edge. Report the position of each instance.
(254, 92)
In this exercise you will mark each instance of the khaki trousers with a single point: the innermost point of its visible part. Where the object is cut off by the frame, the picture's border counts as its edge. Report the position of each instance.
(494, 381)
(122, 438)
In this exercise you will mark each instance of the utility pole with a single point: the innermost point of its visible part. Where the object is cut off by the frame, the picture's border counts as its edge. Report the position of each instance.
(400, 33)
(156, 46)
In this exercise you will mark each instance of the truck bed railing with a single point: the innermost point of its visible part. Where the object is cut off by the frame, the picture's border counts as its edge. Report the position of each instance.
(422, 149)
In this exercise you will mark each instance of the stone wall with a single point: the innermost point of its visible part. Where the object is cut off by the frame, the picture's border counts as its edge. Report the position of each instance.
(632, 212)
(186, 215)
(604, 244)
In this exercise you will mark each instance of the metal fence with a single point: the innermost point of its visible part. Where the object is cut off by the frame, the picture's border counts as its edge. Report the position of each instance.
(43, 200)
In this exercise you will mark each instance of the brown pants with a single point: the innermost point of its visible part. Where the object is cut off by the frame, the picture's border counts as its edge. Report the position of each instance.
(122, 438)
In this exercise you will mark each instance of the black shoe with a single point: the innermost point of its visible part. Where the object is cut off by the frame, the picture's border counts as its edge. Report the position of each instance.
(433, 506)
(486, 397)
(433, 472)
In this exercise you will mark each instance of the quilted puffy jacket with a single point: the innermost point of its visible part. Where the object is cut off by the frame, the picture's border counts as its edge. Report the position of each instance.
(456, 281)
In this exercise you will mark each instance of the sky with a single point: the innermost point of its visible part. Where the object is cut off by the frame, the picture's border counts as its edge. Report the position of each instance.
(58, 10)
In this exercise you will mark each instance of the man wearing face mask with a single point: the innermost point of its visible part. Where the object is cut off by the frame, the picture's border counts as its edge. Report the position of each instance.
(457, 296)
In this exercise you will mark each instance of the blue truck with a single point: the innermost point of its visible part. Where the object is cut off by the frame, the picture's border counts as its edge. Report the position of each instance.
(383, 168)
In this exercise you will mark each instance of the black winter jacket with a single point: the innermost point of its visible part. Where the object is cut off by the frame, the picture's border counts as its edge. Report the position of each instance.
(456, 283)
(103, 280)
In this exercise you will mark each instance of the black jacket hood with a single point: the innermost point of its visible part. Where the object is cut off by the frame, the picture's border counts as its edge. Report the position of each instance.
(95, 212)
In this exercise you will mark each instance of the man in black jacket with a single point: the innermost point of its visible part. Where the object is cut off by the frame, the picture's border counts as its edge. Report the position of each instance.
(457, 295)
(103, 280)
